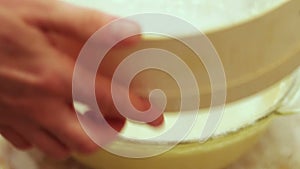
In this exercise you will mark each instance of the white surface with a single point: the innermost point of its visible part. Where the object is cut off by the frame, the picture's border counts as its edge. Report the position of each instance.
(279, 148)
(205, 14)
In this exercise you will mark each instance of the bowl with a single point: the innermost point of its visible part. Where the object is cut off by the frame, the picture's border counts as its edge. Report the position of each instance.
(233, 137)
(259, 54)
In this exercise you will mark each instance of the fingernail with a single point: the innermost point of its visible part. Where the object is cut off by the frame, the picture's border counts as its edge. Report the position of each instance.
(116, 124)
(124, 28)
(158, 122)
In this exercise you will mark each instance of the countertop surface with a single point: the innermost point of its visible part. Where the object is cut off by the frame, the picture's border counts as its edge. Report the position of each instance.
(279, 148)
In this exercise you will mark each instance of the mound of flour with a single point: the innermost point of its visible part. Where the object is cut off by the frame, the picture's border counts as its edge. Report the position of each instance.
(205, 14)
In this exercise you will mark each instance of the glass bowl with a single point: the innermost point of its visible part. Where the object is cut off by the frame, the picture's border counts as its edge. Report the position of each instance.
(259, 54)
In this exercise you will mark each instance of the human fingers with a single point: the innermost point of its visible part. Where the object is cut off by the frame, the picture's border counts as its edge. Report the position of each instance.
(15, 138)
(88, 21)
(80, 23)
(43, 140)
(72, 44)
(28, 74)
(123, 107)
(52, 115)
(68, 129)
(119, 102)
(21, 130)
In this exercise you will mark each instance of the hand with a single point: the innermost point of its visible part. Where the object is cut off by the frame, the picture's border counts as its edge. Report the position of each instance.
(39, 42)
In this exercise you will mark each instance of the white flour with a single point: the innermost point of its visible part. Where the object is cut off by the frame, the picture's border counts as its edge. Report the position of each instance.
(205, 14)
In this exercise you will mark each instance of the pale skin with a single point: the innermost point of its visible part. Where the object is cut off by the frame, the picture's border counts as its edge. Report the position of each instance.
(39, 43)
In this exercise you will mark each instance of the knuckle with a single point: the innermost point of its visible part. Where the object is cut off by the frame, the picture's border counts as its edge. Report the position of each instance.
(89, 16)
(11, 103)
(78, 140)
(15, 139)
(45, 79)
(48, 122)
(48, 82)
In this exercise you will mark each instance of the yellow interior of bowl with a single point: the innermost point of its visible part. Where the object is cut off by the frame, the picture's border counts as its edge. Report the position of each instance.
(213, 154)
